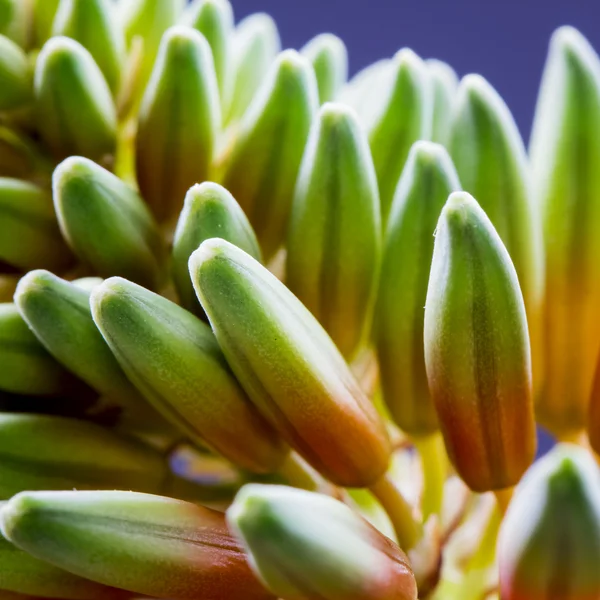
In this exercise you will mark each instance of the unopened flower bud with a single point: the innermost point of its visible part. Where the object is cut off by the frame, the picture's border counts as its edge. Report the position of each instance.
(142, 543)
(16, 86)
(549, 545)
(477, 352)
(304, 546)
(444, 82)
(289, 366)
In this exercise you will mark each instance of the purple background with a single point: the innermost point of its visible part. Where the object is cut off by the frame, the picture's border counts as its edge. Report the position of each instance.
(505, 41)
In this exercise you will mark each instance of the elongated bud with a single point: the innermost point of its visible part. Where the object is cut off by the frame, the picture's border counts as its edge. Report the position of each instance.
(361, 90)
(477, 350)
(565, 157)
(55, 453)
(16, 85)
(142, 543)
(255, 46)
(548, 546)
(106, 223)
(304, 545)
(214, 20)
(174, 360)
(29, 233)
(93, 24)
(21, 573)
(14, 20)
(43, 13)
(492, 165)
(75, 110)
(147, 20)
(333, 246)
(209, 211)
(403, 117)
(178, 121)
(58, 313)
(269, 149)
(329, 58)
(26, 366)
(426, 182)
(444, 82)
(289, 366)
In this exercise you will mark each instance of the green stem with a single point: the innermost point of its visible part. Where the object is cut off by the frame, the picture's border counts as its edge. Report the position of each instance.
(434, 464)
(399, 510)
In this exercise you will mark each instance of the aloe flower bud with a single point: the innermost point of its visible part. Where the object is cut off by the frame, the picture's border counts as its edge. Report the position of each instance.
(58, 312)
(304, 546)
(16, 86)
(75, 110)
(265, 160)
(54, 453)
(477, 350)
(426, 182)
(174, 360)
(147, 20)
(21, 573)
(492, 165)
(445, 83)
(403, 117)
(92, 23)
(106, 223)
(565, 157)
(178, 121)
(329, 58)
(209, 211)
(255, 46)
(43, 13)
(142, 543)
(26, 366)
(289, 366)
(214, 20)
(29, 233)
(548, 547)
(333, 269)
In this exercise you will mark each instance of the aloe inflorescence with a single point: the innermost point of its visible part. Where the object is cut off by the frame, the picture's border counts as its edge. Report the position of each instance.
(267, 332)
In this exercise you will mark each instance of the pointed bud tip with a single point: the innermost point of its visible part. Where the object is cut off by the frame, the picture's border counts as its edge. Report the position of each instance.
(209, 249)
(407, 58)
(427, 153)
(35, 280)
(291, 62)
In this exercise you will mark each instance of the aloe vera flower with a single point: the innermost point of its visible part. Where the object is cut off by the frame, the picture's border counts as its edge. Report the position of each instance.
(270, 330)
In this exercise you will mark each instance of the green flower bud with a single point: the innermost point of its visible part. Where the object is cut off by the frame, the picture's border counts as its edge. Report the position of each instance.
(16, 87)
(477, 352)
(255, 46)
(329, 58)
(75, 110)
(29, 234)
(289, 366)
(426, 182)
(492, 165)
(402, 116)
(265, 160)
(209, 211)
(548, 547)
(26, 366)
(214, 20)
(58, 313)
(445, 83)
(174, 360)
(139, 542)
(565, 162)
(43, 13)
(333, 246)
(21, 573)
(178, 121)
(54, 453)
(304, 546)
(93, 24)
(147, 20)
(106, 223)
(14, 16)
(360, 90)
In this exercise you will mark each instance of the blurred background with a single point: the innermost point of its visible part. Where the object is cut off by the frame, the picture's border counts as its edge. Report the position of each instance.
(505, 41)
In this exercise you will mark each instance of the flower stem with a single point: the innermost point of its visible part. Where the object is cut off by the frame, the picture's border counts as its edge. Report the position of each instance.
(399, 510)
(434, 463)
